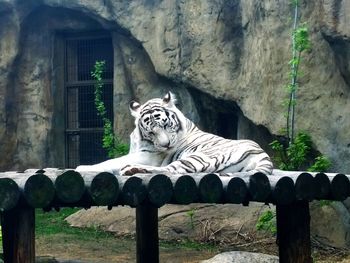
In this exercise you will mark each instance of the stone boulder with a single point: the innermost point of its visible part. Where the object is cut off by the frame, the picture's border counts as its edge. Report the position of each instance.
(223, 224)
(242, 257)
(49, 259)
(200, 222)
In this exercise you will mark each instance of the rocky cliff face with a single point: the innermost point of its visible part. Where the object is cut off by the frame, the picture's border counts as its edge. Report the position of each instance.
(234, 51)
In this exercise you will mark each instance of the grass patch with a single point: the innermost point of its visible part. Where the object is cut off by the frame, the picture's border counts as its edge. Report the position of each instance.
(188, 245)
(54, 237)
(53, 223)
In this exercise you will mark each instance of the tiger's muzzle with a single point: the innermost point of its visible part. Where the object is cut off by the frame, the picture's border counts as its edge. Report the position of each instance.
(161, 138)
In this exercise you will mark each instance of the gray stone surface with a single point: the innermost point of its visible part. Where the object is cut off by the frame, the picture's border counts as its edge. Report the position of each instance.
(233, 50)
(242, 257)
(330, 224)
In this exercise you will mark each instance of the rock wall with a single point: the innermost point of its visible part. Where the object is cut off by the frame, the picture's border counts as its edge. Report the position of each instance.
(230, 50)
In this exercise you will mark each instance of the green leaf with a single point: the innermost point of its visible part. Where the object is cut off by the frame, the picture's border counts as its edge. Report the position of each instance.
(322, 164)
(301, 36)
(295, 2)
(267, 222)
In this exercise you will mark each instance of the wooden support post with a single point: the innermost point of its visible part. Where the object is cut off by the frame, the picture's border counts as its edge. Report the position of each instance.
(293, 232)
(18, 234)
(147, 241)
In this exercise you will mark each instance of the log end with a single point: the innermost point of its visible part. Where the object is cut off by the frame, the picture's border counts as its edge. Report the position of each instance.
(9, 194)
(39, 190)
(185, 190)
(284, 191)
(104, 189)
(210, 189)
(133, 192)
(340, 187)
(322, 186)
(69, 186)
(304, 187)
(259, 187)
(236, 191)
(159, 188)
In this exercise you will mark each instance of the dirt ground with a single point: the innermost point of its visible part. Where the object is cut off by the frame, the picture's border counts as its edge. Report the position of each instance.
(120, 250)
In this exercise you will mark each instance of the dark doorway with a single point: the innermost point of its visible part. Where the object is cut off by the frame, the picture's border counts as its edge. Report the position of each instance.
(84, 128)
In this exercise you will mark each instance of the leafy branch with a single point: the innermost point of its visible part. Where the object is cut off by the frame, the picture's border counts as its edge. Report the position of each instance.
(300, 43)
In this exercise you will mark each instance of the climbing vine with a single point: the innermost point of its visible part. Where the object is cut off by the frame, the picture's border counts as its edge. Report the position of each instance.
(110, 142)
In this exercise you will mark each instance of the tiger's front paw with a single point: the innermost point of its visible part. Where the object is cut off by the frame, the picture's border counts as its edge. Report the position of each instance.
(131, 170)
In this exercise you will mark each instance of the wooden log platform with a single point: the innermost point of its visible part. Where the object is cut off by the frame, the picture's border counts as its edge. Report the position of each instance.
(22, 192)
(56, 187)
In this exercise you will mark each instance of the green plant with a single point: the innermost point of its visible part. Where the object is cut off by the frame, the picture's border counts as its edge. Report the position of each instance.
(267, 222)
(114, 146)
(296, 152)
(322, 203)
(188, 244)
(292, 156)
(321, 164)
(300, 43)
(191, 214)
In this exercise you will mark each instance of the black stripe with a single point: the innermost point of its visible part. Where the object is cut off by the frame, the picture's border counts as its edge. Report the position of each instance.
(201, 161)
(243, 157)
(187, 164)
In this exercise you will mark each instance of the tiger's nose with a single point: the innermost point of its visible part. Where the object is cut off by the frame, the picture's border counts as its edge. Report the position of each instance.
(165, 144)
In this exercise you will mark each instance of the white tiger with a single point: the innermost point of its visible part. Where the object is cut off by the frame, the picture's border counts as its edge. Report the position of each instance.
(165, 141)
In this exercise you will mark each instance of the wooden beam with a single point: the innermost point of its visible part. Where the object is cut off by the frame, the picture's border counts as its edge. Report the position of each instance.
(293, 232)
(147, 240)
(18, 235)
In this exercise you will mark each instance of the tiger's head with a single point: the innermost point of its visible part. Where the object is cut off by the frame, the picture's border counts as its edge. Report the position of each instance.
(159, 121)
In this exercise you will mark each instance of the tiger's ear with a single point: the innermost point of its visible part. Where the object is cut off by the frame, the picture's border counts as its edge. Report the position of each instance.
(134, 108)
(169, 99)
